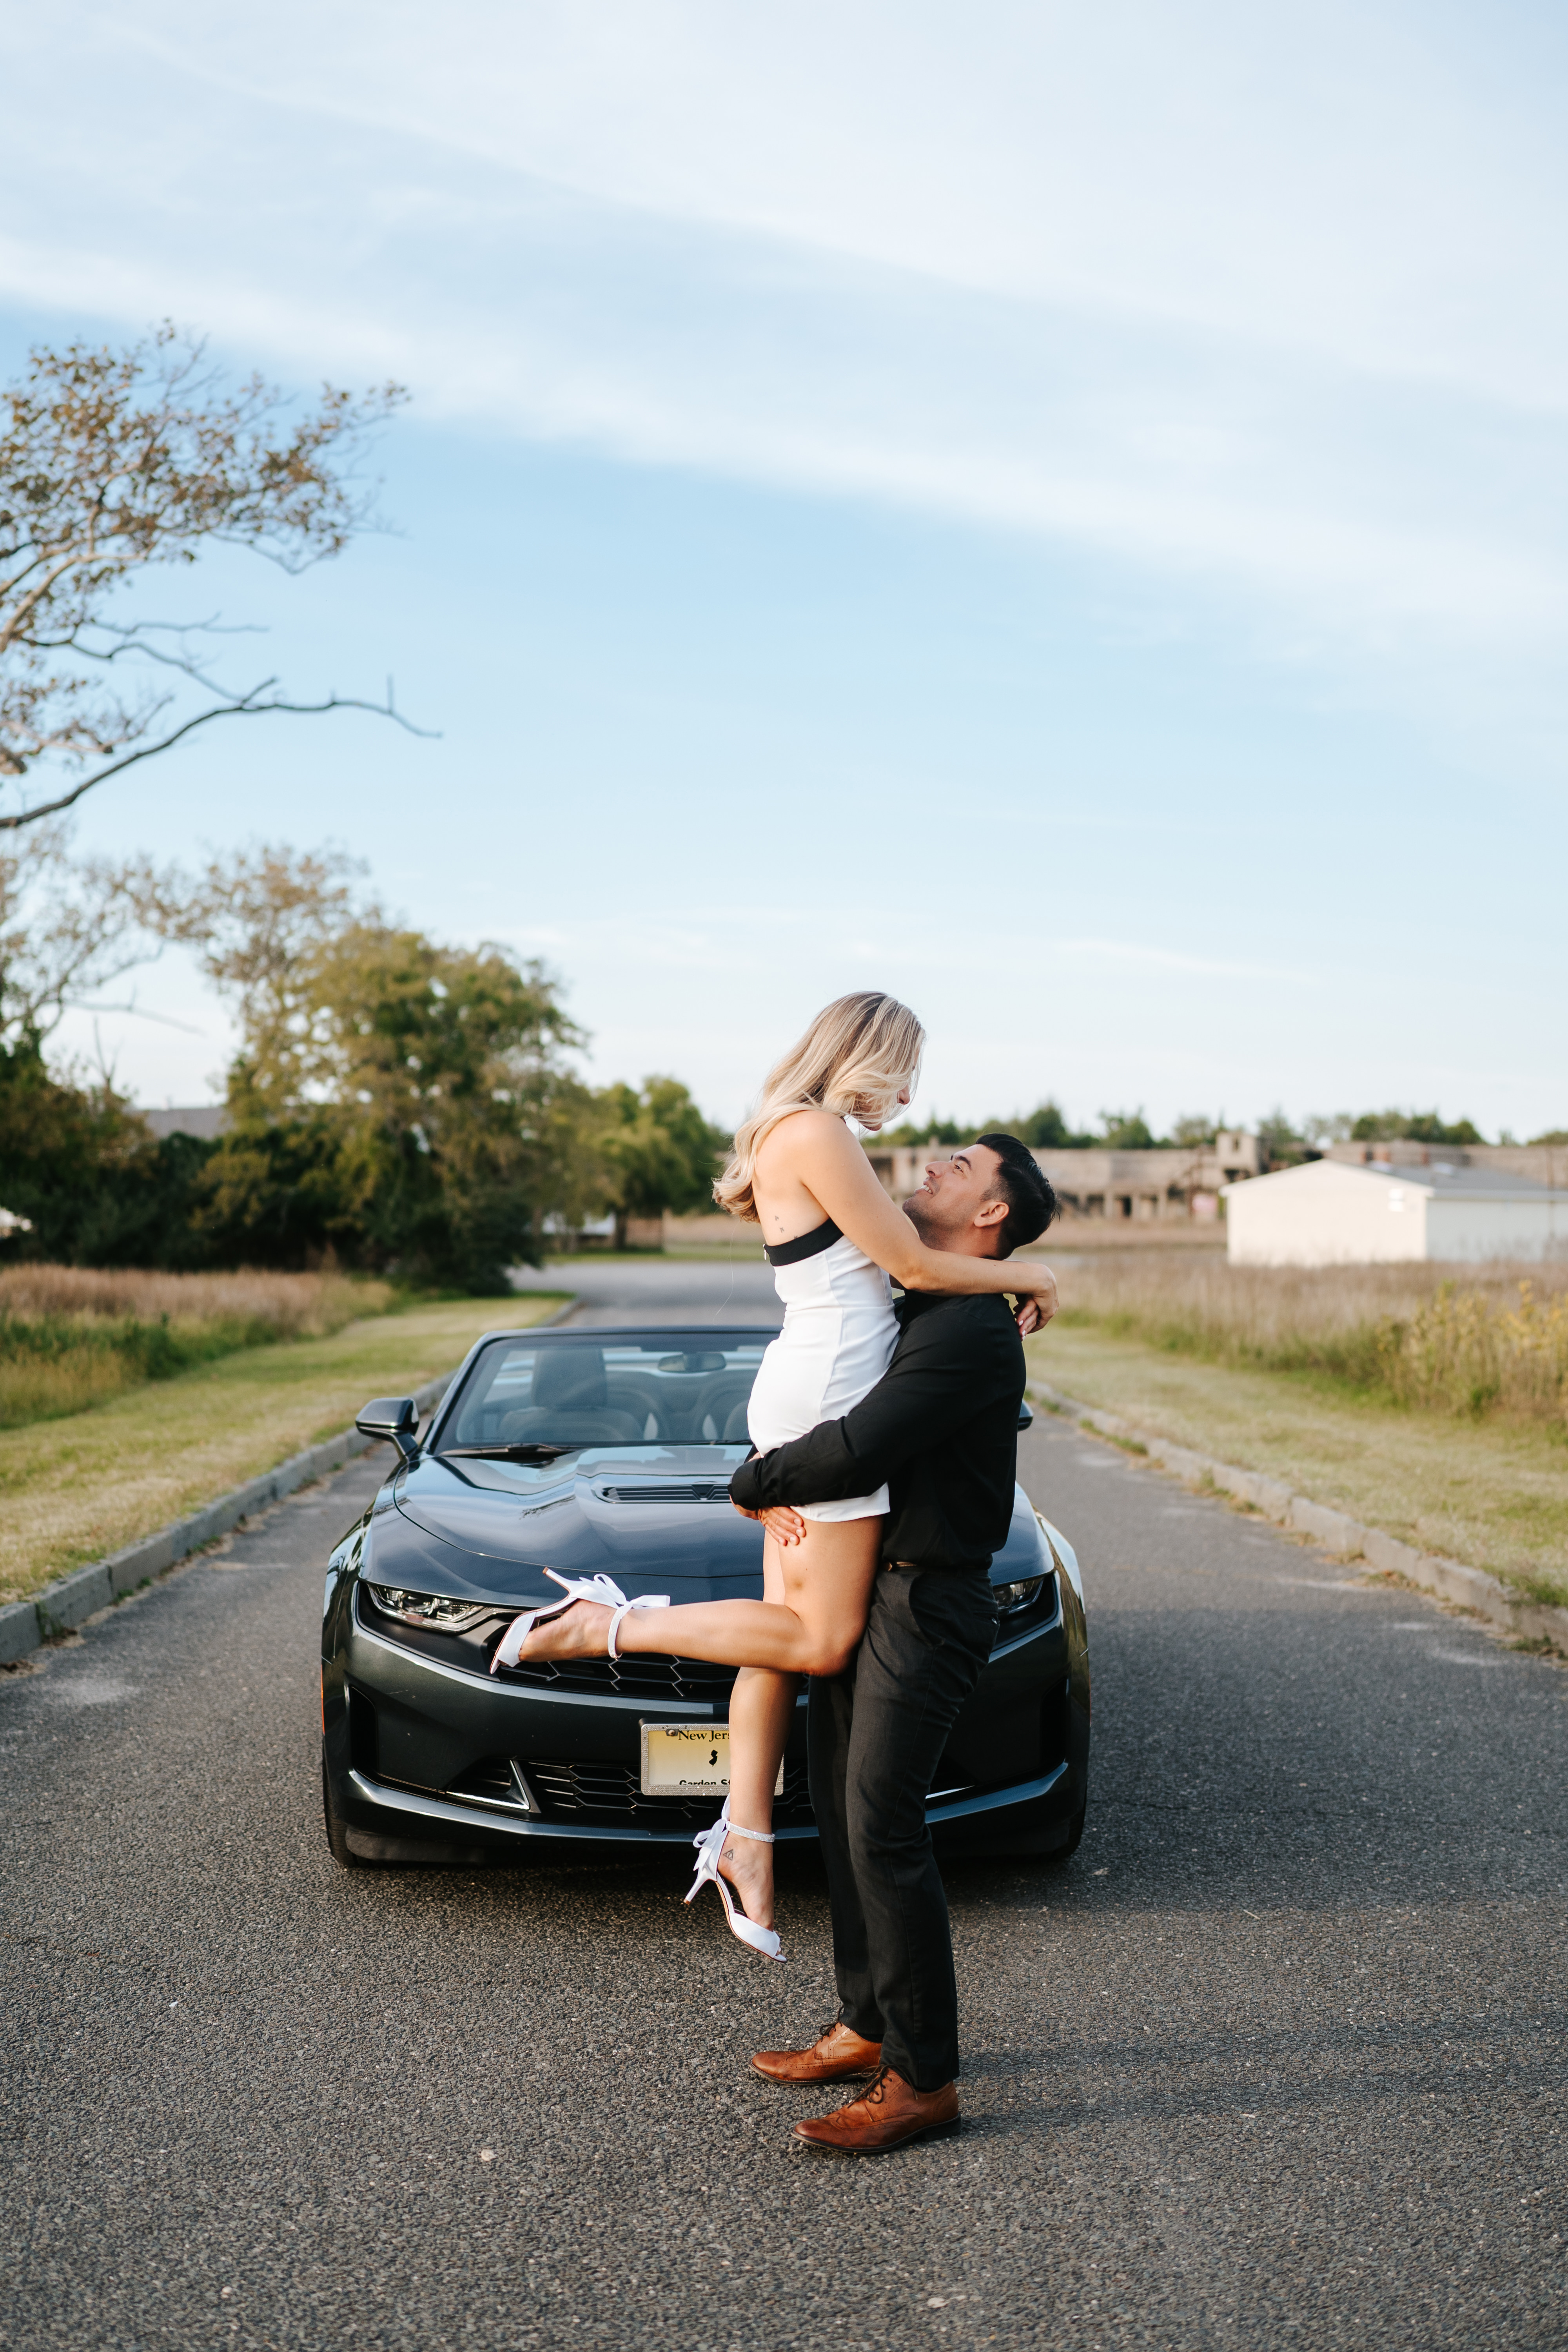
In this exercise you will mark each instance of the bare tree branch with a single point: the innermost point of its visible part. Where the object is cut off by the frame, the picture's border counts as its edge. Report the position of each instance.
(67, 930)
(246, 707)
(164, 1019)
(112, 463)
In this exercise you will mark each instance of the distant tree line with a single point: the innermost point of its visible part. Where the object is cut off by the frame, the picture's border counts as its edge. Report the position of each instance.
(1047, 1128)
(1043, 1129)
(399, 1105)
(1282, 1141)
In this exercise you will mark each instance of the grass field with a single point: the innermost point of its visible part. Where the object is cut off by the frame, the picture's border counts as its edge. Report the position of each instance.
(82, 1485)
(1472, 1341)
(71, 1337)
(1491, 1491)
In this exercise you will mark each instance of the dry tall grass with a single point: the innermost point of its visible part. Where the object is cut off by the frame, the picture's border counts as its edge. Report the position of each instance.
(302, 1305)
(73, 1490)
(1468, 1340)
(71, 1337)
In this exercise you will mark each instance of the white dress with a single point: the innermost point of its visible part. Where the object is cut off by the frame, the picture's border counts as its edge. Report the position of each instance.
(836, 1342)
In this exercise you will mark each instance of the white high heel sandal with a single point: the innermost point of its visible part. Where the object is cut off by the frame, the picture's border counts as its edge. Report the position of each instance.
(709, 1844)
(604, 1589)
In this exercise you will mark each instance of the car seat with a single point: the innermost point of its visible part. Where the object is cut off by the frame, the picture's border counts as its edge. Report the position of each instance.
(569, 1403)
(713, 1407)
(638, 1394)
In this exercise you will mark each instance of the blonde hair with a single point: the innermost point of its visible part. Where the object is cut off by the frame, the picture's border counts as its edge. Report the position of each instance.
(856, 1057)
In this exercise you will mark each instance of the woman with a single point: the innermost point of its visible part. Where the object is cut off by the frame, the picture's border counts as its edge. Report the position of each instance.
(833, 1237)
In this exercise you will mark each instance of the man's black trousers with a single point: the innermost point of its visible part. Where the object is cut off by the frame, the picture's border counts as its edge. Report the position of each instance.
(875, 1738)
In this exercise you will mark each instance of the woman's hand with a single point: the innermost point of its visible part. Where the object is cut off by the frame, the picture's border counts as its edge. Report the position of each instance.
(784, 1525)
(1038, 1305)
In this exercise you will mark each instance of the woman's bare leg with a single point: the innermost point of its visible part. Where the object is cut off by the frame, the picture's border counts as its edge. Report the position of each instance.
(761, 1709)
(816, 1595)
(814, 1630)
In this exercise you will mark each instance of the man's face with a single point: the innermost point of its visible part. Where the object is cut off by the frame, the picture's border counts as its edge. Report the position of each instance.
(952, 1198)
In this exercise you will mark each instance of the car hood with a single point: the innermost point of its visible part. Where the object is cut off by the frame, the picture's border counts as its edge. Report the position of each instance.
(472, 1530)
(653, 1529)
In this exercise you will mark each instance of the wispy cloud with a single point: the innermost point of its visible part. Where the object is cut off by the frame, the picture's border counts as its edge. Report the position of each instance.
(1249, 320)
(1332, 177)
(1200, 293)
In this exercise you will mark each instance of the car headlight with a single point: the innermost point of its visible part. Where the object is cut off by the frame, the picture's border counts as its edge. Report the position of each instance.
(432, 1608)
(1018, 1596)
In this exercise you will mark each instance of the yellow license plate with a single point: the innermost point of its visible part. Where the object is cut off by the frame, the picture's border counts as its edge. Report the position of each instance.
(681, 1759)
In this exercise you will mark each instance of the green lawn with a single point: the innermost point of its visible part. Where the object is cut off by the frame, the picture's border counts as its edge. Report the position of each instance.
(74, 1488)
(1493, 1494)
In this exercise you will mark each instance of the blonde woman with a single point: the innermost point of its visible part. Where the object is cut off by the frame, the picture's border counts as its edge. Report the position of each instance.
(833, 1237)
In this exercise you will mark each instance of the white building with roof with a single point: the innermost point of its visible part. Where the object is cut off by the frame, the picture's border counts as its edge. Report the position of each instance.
(1329, 1213)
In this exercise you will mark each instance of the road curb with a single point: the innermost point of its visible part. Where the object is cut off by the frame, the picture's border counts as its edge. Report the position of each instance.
(1336, 1531)
(59, 1608)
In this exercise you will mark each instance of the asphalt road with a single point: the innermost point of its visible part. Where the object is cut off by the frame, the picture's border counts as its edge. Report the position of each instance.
(703, 1290)
(1277, 2060)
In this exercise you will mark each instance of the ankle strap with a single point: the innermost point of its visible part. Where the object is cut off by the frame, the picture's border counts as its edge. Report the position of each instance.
(643, 1600)
(758, 1837)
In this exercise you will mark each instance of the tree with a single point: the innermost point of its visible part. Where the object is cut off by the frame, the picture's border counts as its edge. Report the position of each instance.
(405, 1101)
(68, 929)
(1281, 1145)
(1193, 1133)
(1427, 1127)
(656, 1152)
(95, 1188)
(58, 1145)
(946, 1131)
(1414, 1127)
(449, 1081)
(114, 463)
(1125, 1130)
(1043, 1129)
(271, 1193)
(1046, 1130)
(256, 919)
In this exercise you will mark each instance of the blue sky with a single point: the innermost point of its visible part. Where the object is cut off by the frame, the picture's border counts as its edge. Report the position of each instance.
(1055, 512)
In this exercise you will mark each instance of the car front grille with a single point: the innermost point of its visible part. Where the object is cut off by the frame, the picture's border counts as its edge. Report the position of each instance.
(641, 1675)
(611, 1792)
(490, 1782)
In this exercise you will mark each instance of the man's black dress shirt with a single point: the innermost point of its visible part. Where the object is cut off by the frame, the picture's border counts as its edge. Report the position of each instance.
(940, 1428)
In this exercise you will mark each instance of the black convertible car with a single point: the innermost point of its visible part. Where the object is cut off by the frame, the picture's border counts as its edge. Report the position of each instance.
(612, 1449)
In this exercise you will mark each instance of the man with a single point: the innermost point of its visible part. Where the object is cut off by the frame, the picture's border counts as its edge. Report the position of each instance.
(940, 1428)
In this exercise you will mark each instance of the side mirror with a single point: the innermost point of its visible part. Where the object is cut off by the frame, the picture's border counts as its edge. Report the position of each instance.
(395, 1419)
(1026, 1415)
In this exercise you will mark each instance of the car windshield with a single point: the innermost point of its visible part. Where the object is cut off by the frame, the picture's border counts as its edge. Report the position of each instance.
(669, 1388)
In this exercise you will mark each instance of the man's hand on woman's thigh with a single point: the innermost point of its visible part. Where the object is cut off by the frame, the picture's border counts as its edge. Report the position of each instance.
(784, 1525)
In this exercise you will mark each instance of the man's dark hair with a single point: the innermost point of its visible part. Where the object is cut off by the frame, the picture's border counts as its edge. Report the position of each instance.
(1021, 1182)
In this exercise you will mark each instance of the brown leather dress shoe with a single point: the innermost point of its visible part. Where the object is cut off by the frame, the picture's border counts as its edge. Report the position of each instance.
(836, 2055)
(888, 2115)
